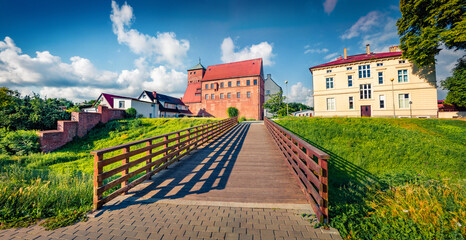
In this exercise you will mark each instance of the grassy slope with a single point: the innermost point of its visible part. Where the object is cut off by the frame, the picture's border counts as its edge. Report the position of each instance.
(59, 184)
(375, 161)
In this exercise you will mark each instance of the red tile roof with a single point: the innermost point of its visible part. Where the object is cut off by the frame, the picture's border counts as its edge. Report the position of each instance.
(190, 94)
(357, 58)
(251, 67)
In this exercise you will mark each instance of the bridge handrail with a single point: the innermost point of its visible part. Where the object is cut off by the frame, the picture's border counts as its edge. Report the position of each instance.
(182, 142)
(311, 175)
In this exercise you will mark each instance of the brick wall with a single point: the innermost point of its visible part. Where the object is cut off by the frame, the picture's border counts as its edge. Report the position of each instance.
(80, 124)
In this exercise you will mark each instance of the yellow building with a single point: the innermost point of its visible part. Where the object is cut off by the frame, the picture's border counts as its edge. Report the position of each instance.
(374, 85)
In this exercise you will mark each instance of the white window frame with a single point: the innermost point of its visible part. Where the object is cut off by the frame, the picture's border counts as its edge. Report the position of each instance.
(350, 80)
(331, 104)
(229, 95)
(351, 102)
(238, 95)
(379, 64)
(364, 71)
(206, 97)
(405, 103)
(403, 75)
(382, 103)
(121, 104)
(365, 91)
(221, 95)
(212, 96)
(349, 68)
(248, 94)
(329, 83)
(380, 77)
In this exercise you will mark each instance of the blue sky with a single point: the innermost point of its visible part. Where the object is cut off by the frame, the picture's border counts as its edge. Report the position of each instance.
(78, 49)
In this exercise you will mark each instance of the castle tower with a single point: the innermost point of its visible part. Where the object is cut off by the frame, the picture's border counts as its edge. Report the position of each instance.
(196, 73)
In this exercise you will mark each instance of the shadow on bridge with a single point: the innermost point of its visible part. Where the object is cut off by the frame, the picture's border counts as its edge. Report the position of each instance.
(206, 169)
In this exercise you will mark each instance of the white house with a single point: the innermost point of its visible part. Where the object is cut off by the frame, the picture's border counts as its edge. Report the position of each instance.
(147, 109)
(168, 106)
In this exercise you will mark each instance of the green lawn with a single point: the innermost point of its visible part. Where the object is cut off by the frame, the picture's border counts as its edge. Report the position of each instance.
(382, 170)
(58, 185)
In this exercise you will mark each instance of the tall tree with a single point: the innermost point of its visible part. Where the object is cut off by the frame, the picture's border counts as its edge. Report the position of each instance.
(427, 24)
(456, 85)
(275, 102)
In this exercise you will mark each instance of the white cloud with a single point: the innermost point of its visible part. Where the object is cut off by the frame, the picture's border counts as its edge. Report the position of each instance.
(380, 41)
(446, 61)
(331, 55)
(364, 24)
(308, 49)
(80, 79)
(301, 94)
(262, 50)
(164, 47)
(329, 5)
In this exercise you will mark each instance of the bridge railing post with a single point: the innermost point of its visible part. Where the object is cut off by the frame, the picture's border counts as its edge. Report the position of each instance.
(149, 160)
(126, 171)
(98, 169)
(323, 163)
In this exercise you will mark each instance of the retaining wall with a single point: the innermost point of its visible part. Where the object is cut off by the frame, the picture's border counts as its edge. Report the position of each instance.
(81, 123)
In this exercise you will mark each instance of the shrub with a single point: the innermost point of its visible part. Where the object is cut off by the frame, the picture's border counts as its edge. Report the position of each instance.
(232, 112)
(242, 119)
(19, 142)
(131, 113)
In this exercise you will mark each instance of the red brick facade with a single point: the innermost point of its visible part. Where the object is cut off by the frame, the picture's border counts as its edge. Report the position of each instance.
(80, 124)
(213, 90)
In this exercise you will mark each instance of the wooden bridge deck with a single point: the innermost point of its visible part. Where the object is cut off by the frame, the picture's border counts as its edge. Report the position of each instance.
(236, 187)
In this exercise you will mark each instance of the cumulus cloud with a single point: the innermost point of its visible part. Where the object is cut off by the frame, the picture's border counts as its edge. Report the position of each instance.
(262, 50)
(329, 6)
(381, 40)
(164, 48)
(80, 79)
(301, 94)
(364, 24)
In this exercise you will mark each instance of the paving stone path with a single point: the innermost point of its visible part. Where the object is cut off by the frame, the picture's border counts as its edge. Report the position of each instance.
(236, 187)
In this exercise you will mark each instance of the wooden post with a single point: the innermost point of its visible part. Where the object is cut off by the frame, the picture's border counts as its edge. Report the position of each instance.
(98, 169)
(148, 161)
(178, 142)
(324, 192)
(165, 146)
(126, 171)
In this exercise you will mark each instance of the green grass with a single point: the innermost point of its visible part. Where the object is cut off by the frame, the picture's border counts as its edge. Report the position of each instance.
(381, 168)
(58, 186)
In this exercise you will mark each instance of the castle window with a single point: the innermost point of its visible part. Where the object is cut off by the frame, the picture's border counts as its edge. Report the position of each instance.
(221, 95)
(207, 97)
(238, 83)
(229, 84)
(207, 86)
(248, 82)
(255, 81)
(212, 96)
(211, 86)
(249, 94)
(238, 95)
(221, 84)
(229, 95)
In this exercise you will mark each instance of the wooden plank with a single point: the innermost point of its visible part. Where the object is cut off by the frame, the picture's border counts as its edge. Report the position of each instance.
(126, 169)
(97, 182)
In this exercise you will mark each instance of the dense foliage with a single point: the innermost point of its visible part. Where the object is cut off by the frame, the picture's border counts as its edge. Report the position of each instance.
(130, 113)
(20, 142)
(31, 112)
(392, 178)
(427, 24)
(456, 85)
(58, 185)
(232, 112)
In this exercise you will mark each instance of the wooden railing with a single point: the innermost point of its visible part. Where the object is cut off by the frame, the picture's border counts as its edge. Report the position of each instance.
(148, 155)
(309, 166)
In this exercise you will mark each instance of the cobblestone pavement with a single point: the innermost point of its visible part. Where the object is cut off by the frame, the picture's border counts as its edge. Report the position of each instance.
(236, 187)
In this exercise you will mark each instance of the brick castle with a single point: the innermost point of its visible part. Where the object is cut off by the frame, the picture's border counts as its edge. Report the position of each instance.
(213, 89)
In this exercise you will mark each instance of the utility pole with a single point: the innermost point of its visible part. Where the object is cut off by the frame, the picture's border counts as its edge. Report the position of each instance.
(410, 109)
(393, 95)
(286, 84)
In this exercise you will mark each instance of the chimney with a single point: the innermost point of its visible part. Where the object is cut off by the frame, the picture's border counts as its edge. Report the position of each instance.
(154, 93)
(345, 53)
(269, 76)
(368, 48)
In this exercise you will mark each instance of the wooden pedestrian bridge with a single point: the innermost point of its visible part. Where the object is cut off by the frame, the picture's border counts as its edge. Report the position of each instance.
(222, 180)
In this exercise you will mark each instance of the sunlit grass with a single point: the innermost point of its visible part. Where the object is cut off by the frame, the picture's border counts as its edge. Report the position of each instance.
(58, 186)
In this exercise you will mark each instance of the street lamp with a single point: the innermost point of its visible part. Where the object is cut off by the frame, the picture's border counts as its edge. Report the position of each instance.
(410, 110)
(286, 84)
(393, 96)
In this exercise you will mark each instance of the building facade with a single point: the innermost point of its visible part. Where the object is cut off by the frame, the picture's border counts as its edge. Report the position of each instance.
(212, 90)
(374, 85)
